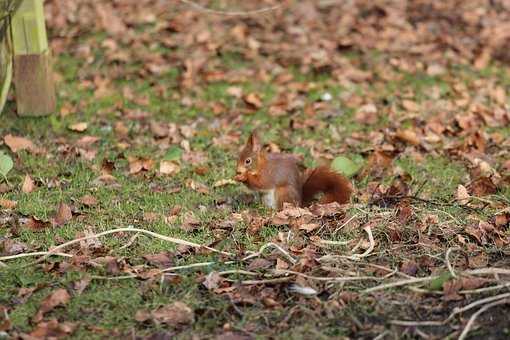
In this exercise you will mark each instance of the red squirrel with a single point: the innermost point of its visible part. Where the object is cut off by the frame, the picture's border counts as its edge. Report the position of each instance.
(278, 177)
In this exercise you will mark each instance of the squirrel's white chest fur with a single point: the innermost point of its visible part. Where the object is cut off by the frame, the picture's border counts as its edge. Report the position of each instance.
(269, 198)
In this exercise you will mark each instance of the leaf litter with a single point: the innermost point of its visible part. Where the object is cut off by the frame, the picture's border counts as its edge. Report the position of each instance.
(315, 251)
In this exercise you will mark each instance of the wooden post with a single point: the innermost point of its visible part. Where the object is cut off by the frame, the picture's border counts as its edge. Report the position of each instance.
(33, 78)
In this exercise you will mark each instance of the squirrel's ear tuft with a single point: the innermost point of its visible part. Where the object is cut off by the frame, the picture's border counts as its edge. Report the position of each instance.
(254, 141)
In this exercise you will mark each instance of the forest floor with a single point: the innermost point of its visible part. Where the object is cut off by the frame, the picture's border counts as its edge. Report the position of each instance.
(154, 105)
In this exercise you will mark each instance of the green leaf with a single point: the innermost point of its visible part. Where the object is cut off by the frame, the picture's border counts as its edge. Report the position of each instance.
(174, 153)
(6, 164)
(437, 284)
(345, 166)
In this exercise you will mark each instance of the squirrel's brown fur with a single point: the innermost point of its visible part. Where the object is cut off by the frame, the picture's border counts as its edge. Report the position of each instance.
(278, 176)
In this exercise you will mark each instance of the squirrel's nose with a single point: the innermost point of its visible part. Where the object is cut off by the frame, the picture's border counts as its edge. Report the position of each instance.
(240, 170)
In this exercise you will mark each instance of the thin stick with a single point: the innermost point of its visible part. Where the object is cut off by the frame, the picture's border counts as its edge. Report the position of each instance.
(135, 230)
(37, 253)
(448, 264)
(485, 289)
(473, 317)
(96, 277)
(487, 271)
(274, 245)
(452, 314)
(193, 265)
(230, 13)
(367, 252)
(399, 283)
(256, 282)
(130, 242)
(331, 279)
(346, 223)
(332, 243)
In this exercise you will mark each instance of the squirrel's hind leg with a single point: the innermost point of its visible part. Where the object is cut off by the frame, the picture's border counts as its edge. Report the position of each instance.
(287, 194)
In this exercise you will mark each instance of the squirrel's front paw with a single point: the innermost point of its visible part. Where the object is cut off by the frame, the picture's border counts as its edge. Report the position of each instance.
(241, 177)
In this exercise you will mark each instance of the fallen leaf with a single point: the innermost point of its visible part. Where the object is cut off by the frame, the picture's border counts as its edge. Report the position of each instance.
(410, 105)
(169, 167)
(62, 216)
(462, 194)
(88, 200)
(78, 127)
(52, 329)
(345, 166)
(253, 100)
(7, 204)
(212, 280)
(56, 298)
(19, 143)
(28, 184)
(189, 222)
(175, 314)
(6, 164)
(408, 136)
(160, 260)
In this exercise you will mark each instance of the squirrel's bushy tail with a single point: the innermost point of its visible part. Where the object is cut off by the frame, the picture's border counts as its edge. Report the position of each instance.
(335, 187)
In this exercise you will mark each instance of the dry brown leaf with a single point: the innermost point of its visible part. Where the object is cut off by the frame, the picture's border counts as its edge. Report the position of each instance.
(212, 280)
(169, 167)
(161, 260)
(62, 216)
(78, 127)
(19, 143)
(175, 314)
(462, 194)
(28, 184)
(253, 100)
(189, 222)
(88, 200)
(52, 329)
(410, 105)
(7, 204)
(408, 136)
(56, 298)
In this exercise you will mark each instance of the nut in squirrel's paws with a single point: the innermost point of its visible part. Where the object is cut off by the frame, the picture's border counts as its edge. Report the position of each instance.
(241, 177)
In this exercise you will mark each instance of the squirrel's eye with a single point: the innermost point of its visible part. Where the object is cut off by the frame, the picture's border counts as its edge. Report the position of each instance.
(247, 161)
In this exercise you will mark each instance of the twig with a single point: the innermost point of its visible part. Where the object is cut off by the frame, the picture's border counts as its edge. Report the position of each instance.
(136, 230)
(473, 317)
(130, 242)
(193, 265)
(256, 282)
(487, 271)
(367, 252)
(230, 13)
(345, 223)
(400, 283)
(330, 279)
(124, 277)
(37, 253)
(448, 264)
(485, 289)
(274, 245)
(453, 313)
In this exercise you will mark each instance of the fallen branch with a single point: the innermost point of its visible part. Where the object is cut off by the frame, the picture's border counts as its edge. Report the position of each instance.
(455, 311)
(55, 250)
(473, 317)
(37, 253)
(274, 245)
(399, 283)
